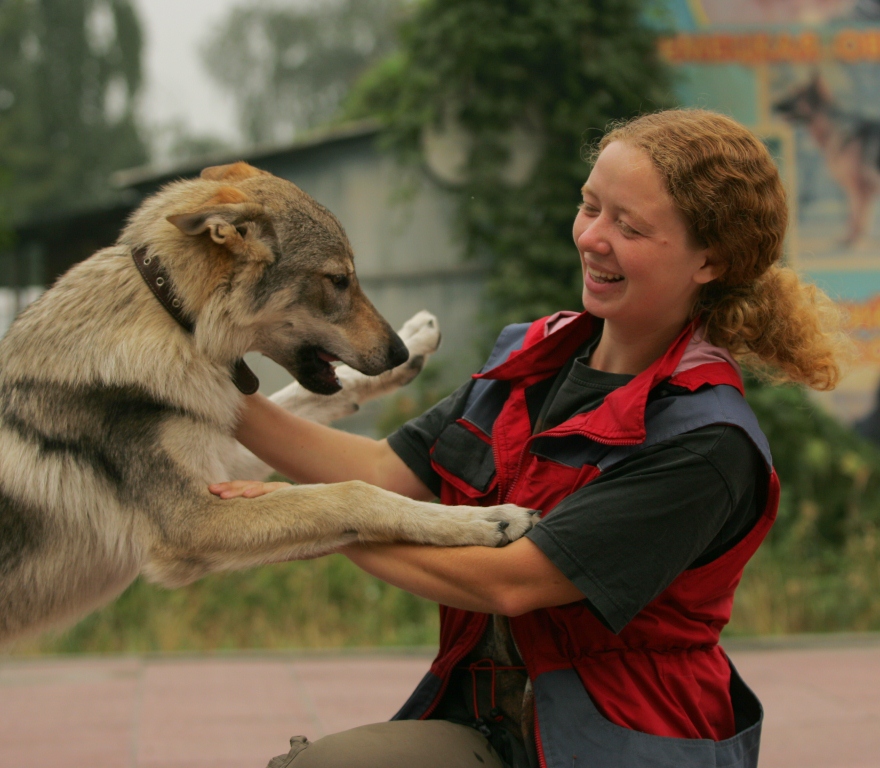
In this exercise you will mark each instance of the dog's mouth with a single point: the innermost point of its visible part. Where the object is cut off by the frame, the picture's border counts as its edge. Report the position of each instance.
(313, 368)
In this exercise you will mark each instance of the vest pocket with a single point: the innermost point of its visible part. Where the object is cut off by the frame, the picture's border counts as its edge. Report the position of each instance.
(461, 454)
(572, 731)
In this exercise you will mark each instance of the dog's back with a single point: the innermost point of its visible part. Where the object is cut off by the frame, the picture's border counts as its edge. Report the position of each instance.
(81, 424)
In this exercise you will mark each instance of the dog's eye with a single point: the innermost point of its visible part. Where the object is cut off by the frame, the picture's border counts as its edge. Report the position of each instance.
(340, 281)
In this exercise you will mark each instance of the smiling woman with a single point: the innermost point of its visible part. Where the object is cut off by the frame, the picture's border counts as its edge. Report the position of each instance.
(594, 638)
(642, 270)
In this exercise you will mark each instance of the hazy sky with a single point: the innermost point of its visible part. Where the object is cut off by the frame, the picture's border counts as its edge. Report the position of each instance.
(176, 85)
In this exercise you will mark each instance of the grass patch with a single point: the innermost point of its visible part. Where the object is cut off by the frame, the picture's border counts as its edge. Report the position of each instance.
(323, 603)
(783, 593)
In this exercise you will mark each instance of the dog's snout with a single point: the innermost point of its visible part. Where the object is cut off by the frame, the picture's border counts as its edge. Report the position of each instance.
(398, 354)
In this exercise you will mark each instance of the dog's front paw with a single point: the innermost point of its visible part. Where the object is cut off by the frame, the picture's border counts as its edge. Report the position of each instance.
(322, 409)
(491, 526)
(421, 334)
(513, 522)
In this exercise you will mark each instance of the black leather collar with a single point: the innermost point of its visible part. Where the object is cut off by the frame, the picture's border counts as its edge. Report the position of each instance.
(160, 284)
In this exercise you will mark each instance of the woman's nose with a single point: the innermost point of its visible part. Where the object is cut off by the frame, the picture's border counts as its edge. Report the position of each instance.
(593, 237)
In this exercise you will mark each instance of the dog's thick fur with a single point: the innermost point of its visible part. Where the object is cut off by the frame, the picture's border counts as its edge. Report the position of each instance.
(850, 145)
(114, 419)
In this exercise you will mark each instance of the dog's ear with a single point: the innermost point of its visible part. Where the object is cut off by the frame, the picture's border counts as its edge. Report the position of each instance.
(233, 221)
(232, 172)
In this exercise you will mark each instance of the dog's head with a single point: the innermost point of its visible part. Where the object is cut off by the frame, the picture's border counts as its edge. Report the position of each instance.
(804, 103)
(263, 267)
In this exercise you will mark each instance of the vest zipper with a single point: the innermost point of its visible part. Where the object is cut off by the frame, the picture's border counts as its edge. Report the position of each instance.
(582, 433)
(539, 747)
(509, 492)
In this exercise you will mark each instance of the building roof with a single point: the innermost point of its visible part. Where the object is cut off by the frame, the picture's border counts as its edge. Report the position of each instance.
(147, 177)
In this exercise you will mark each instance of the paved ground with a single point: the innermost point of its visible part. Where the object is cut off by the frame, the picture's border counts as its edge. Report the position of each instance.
(822, 699)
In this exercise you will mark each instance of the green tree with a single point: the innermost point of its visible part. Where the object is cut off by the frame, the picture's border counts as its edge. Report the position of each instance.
(555, 71)
(288, 69)
(70, 71)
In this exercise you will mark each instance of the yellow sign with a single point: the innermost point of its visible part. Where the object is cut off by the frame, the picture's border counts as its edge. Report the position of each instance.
(863, 324)
(808, 47)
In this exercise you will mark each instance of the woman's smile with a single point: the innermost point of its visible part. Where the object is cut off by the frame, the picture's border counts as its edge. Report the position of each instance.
(602, 278)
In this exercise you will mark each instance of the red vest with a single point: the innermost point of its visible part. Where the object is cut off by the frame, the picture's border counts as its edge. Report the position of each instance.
(664, 674)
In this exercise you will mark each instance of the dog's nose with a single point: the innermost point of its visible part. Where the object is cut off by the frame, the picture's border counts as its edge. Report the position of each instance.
(398, 354)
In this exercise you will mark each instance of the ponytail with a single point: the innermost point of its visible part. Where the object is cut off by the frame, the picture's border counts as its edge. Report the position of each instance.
(783, 329)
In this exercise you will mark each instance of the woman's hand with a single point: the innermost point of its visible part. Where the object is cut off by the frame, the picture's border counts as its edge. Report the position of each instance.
(248, 489)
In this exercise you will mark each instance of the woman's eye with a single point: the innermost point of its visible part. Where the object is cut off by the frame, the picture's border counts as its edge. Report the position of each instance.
(588, 209)
(340, 281)
(627, 229)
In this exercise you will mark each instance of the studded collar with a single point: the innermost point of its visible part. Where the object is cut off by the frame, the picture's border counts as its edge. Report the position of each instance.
(160, 284)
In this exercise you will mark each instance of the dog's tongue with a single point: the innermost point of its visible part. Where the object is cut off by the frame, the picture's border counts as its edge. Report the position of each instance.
(327, 357)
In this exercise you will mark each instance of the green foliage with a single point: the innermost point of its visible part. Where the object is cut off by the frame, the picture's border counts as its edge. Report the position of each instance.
(830, 476)
(819, 569)
(6, 238)
(557, 70)
(783, 592)
(288, 69)
(322, 603)
(69, 76)
(174, 142)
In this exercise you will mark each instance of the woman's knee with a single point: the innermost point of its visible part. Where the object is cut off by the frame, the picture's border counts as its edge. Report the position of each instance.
(398, 744)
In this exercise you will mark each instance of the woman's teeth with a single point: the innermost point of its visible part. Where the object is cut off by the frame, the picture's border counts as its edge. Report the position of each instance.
(604, 277)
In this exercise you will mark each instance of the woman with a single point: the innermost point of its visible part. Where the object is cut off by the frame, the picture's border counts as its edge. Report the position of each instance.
(593, 640)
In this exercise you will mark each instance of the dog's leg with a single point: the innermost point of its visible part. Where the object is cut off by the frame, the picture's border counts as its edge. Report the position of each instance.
(420, 333)
(848, 170)
(305, 521)
(859, 207)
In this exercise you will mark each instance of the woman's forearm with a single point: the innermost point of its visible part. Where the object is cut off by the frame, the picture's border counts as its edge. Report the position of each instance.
(425, 571)
(509, 580)
(312, 453)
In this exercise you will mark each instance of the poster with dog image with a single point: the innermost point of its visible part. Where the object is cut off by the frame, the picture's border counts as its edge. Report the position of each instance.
(805, 76)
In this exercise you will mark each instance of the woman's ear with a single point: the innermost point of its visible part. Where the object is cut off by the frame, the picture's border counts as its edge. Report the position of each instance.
(711, 269)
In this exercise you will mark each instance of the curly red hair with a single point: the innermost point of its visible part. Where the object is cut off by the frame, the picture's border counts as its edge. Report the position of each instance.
(725, 184)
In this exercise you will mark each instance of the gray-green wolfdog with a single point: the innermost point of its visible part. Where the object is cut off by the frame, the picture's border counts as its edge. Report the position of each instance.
(115, 416)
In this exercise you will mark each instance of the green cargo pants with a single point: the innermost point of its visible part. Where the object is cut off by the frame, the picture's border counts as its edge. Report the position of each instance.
(397, 744)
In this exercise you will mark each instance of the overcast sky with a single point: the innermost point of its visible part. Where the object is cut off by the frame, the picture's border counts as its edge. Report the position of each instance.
(176, 85)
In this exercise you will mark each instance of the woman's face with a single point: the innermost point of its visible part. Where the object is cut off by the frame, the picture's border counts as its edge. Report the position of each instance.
(641, 271)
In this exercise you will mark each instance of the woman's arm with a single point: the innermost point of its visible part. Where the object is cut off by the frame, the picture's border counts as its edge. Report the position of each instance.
(509, 580)
(312, 453)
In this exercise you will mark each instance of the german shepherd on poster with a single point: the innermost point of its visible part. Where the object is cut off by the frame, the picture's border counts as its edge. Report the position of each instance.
(849, 144)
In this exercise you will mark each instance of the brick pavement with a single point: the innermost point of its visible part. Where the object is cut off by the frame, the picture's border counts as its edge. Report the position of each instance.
(822, 699)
